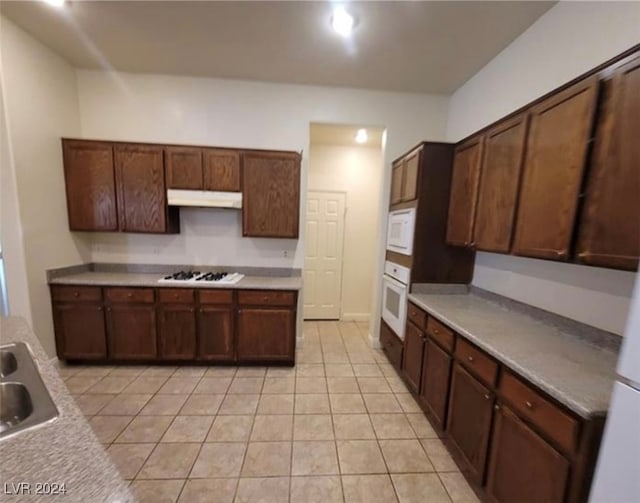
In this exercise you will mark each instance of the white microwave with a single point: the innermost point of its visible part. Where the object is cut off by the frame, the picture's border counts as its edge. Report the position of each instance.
(400, 231)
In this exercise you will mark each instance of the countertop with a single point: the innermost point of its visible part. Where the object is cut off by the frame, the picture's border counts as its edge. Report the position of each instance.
(148, 279)
(63, 451)
(574, 372)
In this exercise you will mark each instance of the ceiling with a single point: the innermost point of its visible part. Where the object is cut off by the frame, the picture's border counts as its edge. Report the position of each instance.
(423, 47)
(338, 134)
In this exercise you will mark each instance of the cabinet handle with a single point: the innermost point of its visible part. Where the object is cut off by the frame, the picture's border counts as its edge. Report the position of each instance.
(528, 404)
(496, 407)
(470, 358)
(487, 396)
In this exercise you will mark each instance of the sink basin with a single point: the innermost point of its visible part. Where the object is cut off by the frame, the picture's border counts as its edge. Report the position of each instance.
(24, 400)
(8, 363)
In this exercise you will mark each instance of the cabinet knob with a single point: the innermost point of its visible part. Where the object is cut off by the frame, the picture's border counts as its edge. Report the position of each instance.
(265, 298)
(191, 310)
(436, 331)
(496, 407)
(76, 294)
(129, 295)
(99, 308)
(109, 309)
(470, 358)
(201, 310)
(487, 396)
(528, 404)
(175, 295)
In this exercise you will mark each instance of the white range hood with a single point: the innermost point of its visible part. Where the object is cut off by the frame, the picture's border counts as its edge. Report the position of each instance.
(204, 198)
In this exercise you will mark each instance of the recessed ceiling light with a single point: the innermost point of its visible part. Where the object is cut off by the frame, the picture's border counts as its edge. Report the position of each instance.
(361, 136)
(342, 22)
(55, 3)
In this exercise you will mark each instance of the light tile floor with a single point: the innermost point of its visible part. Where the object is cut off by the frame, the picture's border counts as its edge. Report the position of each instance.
(339, 427)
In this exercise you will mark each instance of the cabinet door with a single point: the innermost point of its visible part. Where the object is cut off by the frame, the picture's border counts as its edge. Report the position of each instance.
(215, 333)
(410, 181)
(141, 190)
(557, 147)
(221, 170)
(177, 332)
(499, 183)
(469, 422)
(436, 371)
(266, 334)
(183, 168)
(464, 192)
(523, 466)
(610, 227)
(132, 332)
(90, 185)
(412, 359)
(80, 332)
(397, 174)
(271, 194)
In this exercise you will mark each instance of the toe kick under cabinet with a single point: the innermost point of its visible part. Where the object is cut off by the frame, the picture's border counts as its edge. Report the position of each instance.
(513, 442)
(139, 324)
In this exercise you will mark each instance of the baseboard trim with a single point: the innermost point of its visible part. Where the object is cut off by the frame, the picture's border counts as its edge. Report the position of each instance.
(375, 342)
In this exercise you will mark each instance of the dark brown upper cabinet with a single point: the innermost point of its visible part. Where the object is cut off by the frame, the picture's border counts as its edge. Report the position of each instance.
(221, 170)
(397, 172)
(404, 178)
(504, 148)
(271, 194)
(90, 183)
(557, 148)
(464, 192)
(142, 204)
(183, 168)
(609, 233)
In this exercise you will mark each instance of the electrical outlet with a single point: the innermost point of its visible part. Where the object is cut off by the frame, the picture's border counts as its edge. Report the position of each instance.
(285, 254)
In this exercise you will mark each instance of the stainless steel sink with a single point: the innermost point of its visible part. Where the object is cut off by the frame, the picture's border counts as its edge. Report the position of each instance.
(24, 400)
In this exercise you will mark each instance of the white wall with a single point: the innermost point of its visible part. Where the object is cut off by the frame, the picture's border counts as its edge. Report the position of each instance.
(358, 171)
(41, 106)
(160, 108)
(568, 40)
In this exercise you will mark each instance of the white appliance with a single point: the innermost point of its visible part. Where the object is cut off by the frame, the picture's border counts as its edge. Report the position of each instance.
(395, 288)
(617, 476)
(400, 229)
(204, 198)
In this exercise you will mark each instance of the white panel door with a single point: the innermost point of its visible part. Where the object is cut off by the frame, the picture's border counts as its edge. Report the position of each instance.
(323, 255)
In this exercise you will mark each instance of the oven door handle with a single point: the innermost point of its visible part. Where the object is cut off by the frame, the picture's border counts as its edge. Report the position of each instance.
(395, 282)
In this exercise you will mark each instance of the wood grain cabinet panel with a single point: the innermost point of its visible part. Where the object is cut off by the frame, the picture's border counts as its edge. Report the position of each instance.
(177, 332)
(410, 177)
(609, 233)
(504, 149)
(266, 334)
(90, 185)
(436, 373)
(464, 192)
(131, 330)
(397, 176)
(183, 168)
(216, 333)
(557, 147)
(271, 194)
(221, 170)
(391, 345)
(412, 359)
(141, 188)
(80, 331)
(469, 419)
(523, 467)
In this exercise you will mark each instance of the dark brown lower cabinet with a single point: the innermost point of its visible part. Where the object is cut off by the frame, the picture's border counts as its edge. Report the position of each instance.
(436, 371)
(266, 334)
(469, 422)
(215, 333)
(414, 341)
(80, 332)
(132, 331)
(177, 332)
(524, 468)
(391, 345)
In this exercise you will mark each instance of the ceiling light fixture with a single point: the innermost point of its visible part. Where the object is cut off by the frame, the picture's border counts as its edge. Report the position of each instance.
(361, 136)
(342, 22)
(55, 3)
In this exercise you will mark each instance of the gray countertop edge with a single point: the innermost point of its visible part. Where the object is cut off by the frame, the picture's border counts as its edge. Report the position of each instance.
(535, 378)
(64, 450)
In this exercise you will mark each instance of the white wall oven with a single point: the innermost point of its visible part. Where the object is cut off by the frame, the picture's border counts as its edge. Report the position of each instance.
(400, 231)
(395, 288)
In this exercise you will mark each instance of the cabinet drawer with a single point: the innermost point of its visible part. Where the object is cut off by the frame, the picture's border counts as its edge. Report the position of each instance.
(440, 333)
(215, 296)
(552, 421)
(144, 295)
(477, 361)
(76, 293)
(175, 295)
(391, 345)
(417, 316)
(266, 297)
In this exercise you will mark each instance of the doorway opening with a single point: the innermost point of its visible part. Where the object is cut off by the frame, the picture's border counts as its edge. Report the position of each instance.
(344, 183)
